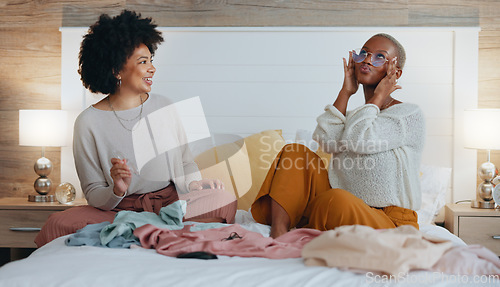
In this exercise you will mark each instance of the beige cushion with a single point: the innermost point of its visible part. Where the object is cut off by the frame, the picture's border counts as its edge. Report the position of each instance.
(242, 165)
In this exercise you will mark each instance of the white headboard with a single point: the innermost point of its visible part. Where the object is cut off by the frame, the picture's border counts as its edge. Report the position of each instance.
(253, 79)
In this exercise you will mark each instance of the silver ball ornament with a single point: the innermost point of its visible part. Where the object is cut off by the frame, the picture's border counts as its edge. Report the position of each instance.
(43, 166)
(485, 191)
(43, 185)
(487, 171)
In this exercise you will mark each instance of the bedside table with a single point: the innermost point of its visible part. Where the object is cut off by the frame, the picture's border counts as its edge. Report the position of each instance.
(22, 220)
(474, 225)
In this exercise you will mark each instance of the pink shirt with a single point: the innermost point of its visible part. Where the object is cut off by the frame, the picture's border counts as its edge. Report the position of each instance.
(217, 241)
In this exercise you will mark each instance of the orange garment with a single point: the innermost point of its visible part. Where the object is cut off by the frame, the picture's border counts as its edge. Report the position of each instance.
(298, 181)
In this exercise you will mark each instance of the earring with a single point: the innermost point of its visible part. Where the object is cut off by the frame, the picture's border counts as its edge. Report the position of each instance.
(119, 82)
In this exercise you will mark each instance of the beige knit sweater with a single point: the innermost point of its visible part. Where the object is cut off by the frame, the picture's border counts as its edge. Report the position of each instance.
(376, 154)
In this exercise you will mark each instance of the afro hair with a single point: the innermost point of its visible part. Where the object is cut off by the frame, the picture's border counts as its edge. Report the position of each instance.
(107, 46)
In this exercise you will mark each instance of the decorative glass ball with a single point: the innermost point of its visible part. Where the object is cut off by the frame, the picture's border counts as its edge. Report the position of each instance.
(485, 191)
(65, 193)
(487, 171)
(496, 195)
(496, 180)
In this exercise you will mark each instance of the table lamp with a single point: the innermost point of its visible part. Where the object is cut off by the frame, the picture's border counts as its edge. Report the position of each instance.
(43, 128)
(480, 133)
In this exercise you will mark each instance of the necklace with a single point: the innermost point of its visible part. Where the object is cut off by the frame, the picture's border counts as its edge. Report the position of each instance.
(385, 106)
(139, 116)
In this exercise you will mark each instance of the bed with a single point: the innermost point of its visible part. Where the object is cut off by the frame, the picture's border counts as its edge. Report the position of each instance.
(236, 78)
(56, 264)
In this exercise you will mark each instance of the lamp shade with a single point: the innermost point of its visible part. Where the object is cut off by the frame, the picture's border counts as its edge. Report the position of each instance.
(42, 127)
(479, 129)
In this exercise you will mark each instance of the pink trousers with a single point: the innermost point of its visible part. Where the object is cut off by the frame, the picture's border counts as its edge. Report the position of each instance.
(213, 203)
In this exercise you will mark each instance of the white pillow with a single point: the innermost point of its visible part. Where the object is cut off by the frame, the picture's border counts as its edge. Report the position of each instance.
(435, 182)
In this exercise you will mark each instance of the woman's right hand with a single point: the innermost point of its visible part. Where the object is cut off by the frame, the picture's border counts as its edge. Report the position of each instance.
(349, 88)
(351, 84)
(121, 175)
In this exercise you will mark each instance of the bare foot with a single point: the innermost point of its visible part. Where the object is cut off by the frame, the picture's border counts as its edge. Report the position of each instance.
(280, 220)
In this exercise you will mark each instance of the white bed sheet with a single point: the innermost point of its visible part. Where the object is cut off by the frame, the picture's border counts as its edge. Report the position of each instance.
(56, 264)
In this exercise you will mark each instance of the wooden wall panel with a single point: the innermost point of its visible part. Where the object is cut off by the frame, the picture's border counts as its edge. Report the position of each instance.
(19, 14)
(30, 73)
(30, 77)
(489, 61)
(85, 13)
(16, 162)
(443, 13)
(30, 47)
(489, 72)
(19, 177)
(274, 13)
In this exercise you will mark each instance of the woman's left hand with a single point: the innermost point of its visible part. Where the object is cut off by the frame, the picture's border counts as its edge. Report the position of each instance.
(389, 83)
(206, 184)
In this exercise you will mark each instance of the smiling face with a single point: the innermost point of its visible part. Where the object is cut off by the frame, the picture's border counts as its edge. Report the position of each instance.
(365, 72)
(137, 73)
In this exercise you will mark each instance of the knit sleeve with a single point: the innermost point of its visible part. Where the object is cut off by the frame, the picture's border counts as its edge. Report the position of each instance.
(93, 182)
(329, 130)
(191, 171)
(368, 131)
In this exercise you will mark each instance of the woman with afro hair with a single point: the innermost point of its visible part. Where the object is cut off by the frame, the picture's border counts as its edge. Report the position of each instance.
(130, 125)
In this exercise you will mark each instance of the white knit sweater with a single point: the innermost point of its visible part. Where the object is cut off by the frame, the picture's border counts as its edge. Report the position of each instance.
(157, 148)
(376, 154)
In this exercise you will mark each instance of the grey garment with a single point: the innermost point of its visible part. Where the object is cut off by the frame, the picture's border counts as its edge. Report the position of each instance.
(154, 144)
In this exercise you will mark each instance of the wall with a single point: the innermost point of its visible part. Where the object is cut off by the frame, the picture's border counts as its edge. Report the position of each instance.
(30, 53)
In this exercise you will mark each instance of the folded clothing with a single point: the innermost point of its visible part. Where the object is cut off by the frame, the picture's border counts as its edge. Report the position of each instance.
(393, 251)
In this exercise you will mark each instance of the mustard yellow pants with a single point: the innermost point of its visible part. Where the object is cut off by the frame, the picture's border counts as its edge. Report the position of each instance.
(298, 181)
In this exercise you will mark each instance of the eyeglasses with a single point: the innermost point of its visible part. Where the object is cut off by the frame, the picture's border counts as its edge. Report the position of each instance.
(377, 59)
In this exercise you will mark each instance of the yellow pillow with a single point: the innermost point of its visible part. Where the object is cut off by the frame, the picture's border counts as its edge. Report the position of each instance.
(242, 165)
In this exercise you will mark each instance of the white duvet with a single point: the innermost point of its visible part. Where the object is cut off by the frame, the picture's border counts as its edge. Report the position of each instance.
(56, 264)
